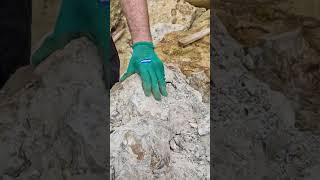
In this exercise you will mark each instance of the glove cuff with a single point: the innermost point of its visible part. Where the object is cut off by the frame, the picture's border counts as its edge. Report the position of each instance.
(143, 43)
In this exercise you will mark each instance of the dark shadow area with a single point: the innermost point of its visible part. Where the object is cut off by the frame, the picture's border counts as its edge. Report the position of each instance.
(265, 90)
(54, 118)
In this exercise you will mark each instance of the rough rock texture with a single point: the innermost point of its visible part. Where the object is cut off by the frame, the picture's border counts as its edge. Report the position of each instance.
(55, 129)
(288, 64)
(247, 23)
(283, 46)
(115, 13)
(159, 140)
(193, 59)
(254, 127)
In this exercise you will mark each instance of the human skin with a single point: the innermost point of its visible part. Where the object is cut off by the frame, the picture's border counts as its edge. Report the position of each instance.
(144, 60)
(136, 12)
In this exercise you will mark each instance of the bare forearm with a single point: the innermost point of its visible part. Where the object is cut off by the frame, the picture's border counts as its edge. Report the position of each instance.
(136, 12)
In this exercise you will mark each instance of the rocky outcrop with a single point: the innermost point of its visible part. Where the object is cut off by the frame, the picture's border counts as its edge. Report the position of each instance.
(55, 127)
(159, 140)
(253, 126)
(283, 45)
(257, 18)
(44, 14)
(193, 59)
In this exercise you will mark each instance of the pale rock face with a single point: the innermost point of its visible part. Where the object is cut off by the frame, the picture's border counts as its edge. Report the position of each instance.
(55, 129)
(254, 126)
(58, 130)
(165, 140)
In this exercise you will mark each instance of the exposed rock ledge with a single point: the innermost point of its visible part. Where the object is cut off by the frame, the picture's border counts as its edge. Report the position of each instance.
(165, 140)
(55, 129)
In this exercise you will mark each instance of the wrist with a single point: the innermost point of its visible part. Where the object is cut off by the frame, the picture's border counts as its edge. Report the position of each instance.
(148, 44)
(142, 37)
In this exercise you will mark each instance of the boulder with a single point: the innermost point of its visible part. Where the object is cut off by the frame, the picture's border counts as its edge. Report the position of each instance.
(282, 43)
(253, 126)
(55, 128)
(165, 140)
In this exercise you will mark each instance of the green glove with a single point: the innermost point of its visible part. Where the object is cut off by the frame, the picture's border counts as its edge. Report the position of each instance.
(146, 63)
(77, 18)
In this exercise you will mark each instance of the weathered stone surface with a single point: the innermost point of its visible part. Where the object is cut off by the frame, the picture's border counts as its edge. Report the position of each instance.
(254, 127)
(55, 129)
(283, 42)
(247, 23)
(115, 13)
(165, 140)
(193, 59)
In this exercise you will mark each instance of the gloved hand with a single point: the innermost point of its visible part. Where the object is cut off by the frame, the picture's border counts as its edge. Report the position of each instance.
(146, 63)
(77, 18)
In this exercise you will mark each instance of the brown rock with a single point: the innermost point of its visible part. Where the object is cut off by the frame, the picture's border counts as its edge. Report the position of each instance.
(193, 59)
(200, 3)
(115, 13)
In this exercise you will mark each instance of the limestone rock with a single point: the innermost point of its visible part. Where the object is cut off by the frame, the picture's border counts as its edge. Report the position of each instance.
(151, 139)
(56, 128)
(172, 12)
(253, 136)
(283, 40)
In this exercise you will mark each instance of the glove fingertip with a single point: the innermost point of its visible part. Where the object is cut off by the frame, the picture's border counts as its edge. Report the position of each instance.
(158, 98)
(146, 90)
(124, 77)
(164, 92)
(147, 93)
